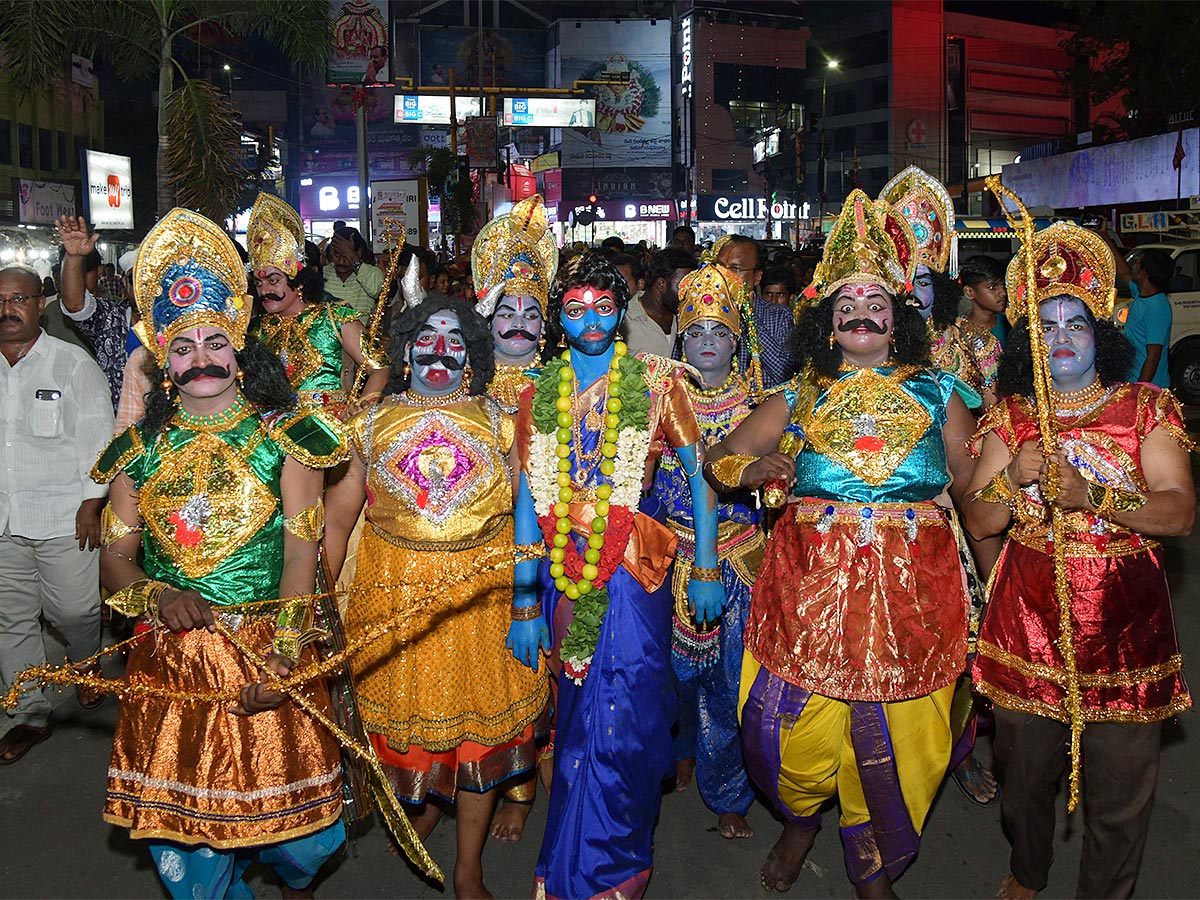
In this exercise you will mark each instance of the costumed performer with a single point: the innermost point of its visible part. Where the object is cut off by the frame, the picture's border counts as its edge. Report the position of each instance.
(707, 657)
(858, 619)
(589, 433)
(220, 487)
(1123, 479)
(308, 334)
(448, 710)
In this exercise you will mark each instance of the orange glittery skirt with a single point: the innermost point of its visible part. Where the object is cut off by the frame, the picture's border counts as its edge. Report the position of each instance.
(194, 773)
(442, 697)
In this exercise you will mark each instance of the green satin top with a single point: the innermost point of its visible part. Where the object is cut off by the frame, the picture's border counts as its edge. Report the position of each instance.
(209, 495)
(309, 344)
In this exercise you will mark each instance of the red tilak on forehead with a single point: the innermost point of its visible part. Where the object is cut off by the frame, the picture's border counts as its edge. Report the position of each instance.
(860, 291)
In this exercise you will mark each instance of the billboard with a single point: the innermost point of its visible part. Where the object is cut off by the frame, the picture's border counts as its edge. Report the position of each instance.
(42, 202)
(107, 190)
(1138, 171)
(633, 113)
(506, 56)
(432, 110)
(407, 202)
(361, 52)
(550, 112)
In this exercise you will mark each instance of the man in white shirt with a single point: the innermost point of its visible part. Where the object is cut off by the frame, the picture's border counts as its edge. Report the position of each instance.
(55, 418)
(649, 325)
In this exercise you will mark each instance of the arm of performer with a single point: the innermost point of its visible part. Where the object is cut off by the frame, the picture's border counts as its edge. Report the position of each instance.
(1168, 509)
(343, 502)
(956, 435)
(300, 491)
(133, 591)
(706, 594)
(528, 634)
(993, 488)
(352, 333)
(752, 451)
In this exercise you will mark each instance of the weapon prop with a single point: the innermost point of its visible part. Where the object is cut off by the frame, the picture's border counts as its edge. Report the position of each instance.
(1048, 432)
(372, 352)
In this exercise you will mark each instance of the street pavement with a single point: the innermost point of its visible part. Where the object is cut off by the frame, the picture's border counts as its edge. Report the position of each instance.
(55, 844)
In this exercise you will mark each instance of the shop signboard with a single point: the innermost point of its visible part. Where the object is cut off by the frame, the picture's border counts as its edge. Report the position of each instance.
(330, 197)
(43, 202)
(107, 190)
(432, 110)
(628, 210)
(550, 112)
(405, 202)
(722, 208)
(360, 53)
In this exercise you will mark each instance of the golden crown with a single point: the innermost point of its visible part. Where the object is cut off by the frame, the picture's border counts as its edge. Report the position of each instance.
(714, 293)
(275, 236)
(925, 204)
(516, 250)
(1067, 259)
(868, 244)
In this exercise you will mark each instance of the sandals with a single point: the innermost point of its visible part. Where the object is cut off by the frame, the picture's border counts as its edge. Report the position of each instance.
(19, 740)
(971, 782)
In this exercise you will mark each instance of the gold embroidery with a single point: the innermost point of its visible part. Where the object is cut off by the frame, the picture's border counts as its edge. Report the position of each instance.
(309, 523)
(287, 336)
(132, 452)
(1128, 678)
(112, 528)
(1003, 698)
(506, 386)
(204, 504)
(869, 424)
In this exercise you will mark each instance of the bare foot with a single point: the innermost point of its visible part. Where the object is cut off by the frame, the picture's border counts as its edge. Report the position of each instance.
(1011, 889)
(683, 773)
(786, 859)
(509, 821)
(732, 825)
(878, 888)
(545, 769)
(469, 886)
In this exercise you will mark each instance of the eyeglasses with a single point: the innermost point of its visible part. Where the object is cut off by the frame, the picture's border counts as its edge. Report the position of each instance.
(18, 299)
(741, 270)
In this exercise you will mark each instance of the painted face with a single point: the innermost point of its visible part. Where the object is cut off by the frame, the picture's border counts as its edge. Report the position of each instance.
(201, 362)
(590, 318)
(991, 295)
(923, 290)
(863, 319)
(709, 346)
(276, 296)
(438, 355)
(516, 327)
(1071, 340)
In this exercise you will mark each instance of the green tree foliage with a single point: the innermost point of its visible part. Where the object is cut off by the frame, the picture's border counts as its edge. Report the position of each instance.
(199, 154)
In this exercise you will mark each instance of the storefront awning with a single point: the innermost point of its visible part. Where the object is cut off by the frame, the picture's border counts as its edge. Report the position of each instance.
(977, 227)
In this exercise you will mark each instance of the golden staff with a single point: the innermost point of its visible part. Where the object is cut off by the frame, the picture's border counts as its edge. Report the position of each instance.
(1048, 431)
(372, 353)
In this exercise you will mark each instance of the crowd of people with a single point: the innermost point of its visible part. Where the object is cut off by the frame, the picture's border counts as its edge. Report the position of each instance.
(397, 535)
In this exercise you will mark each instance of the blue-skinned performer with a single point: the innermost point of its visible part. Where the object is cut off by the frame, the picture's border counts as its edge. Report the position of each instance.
(858, 619)
(707, 657)
(589, 433)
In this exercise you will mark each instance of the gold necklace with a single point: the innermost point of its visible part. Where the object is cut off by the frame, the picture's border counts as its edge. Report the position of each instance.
(1081, 401)
(457, 395)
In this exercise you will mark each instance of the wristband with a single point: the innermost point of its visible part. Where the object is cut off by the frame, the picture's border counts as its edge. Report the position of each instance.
(728, 469)
(526, 613)
(705, 574)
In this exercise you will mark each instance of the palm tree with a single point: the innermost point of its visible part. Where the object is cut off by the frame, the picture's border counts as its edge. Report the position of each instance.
(198, 131)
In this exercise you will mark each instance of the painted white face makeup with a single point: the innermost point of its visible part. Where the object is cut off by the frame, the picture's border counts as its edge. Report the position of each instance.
(202, 363)
(709, 346)
(862, 323)
(438, 355)
(1071, 341)
(516, 327)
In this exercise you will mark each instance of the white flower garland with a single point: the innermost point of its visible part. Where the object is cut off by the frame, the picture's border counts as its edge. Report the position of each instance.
(633, 448)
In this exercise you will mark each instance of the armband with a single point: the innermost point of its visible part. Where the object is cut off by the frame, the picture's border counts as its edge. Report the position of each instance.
(728, 469)
(526, 613)
(1109, 501)
(112, 528)
(140, 598)
(293, 629)
(525, 552)
(309, 523)
(701, 573)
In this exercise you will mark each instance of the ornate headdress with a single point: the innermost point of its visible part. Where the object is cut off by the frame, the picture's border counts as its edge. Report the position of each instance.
(868, 244)
(711, 292)
(1067, 259)
(188, 274)
(515, 253)
(924, 203)
(710, 255)
(275, 236)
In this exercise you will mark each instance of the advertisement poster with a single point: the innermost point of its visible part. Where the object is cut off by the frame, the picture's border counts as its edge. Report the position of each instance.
(510, 57)
(42, 202)
(361, 52)
(405, 202)
(107, 190)
(633, 115)
(481, 142)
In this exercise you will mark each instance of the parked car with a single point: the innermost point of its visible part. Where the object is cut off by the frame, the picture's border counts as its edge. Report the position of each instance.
(1183, 359)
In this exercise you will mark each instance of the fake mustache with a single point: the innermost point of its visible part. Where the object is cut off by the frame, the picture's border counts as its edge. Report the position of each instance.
(429, 360)
(213, 371)
(869, 324)
(274, 298)
(517, 332)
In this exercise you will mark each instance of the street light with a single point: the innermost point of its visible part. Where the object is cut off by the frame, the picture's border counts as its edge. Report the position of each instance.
(229, 78)
(829, 64)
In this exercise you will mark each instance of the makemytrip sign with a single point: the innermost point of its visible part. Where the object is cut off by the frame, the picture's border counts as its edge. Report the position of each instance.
(107, 190)
(714, 208)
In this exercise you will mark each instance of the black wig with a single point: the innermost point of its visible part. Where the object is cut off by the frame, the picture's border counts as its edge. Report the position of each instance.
(593, 270)
(947, 294)
(475, 330)
(810, 338)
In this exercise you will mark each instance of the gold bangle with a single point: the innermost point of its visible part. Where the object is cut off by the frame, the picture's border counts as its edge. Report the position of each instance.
(309, 523)
(293, 629)
(526, 613)
(525, 552)
(139, 598)
(1109, 501)
(706, 574)
(728, 469)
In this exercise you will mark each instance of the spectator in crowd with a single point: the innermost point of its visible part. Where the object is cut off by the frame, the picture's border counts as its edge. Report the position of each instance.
(684, 237)
(53, 321)
(355, 280)
(982, 280)
(649, 325)
(104, 320)
(779, 285)
(633, 272)
(612, 246)
(1148, 327)
(112, 282)
(55, 420)
(742, 255)
(441, 280)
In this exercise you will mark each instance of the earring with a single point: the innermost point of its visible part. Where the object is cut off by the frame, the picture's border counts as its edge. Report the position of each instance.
(541, 343)
(562, 341)
(832, 340)
(468, 372)
(734, 364)
(892, 339)
(300, 293)
(240, 375)
(167, 383)
(407, 372)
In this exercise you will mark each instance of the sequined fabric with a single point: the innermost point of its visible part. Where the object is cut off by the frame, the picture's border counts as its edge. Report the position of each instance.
(968, 352)
(308, 344)
(508, 383)
(1126, 649)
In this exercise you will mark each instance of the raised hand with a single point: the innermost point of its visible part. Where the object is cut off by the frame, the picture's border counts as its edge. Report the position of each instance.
(74, 235)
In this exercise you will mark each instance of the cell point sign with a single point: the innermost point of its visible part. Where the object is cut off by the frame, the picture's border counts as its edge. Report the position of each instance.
(685, 57)
(710, 208)
(107, 190)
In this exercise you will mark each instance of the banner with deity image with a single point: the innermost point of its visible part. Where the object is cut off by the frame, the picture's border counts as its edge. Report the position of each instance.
(633, 113)
(361, 51)
(501, 57)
